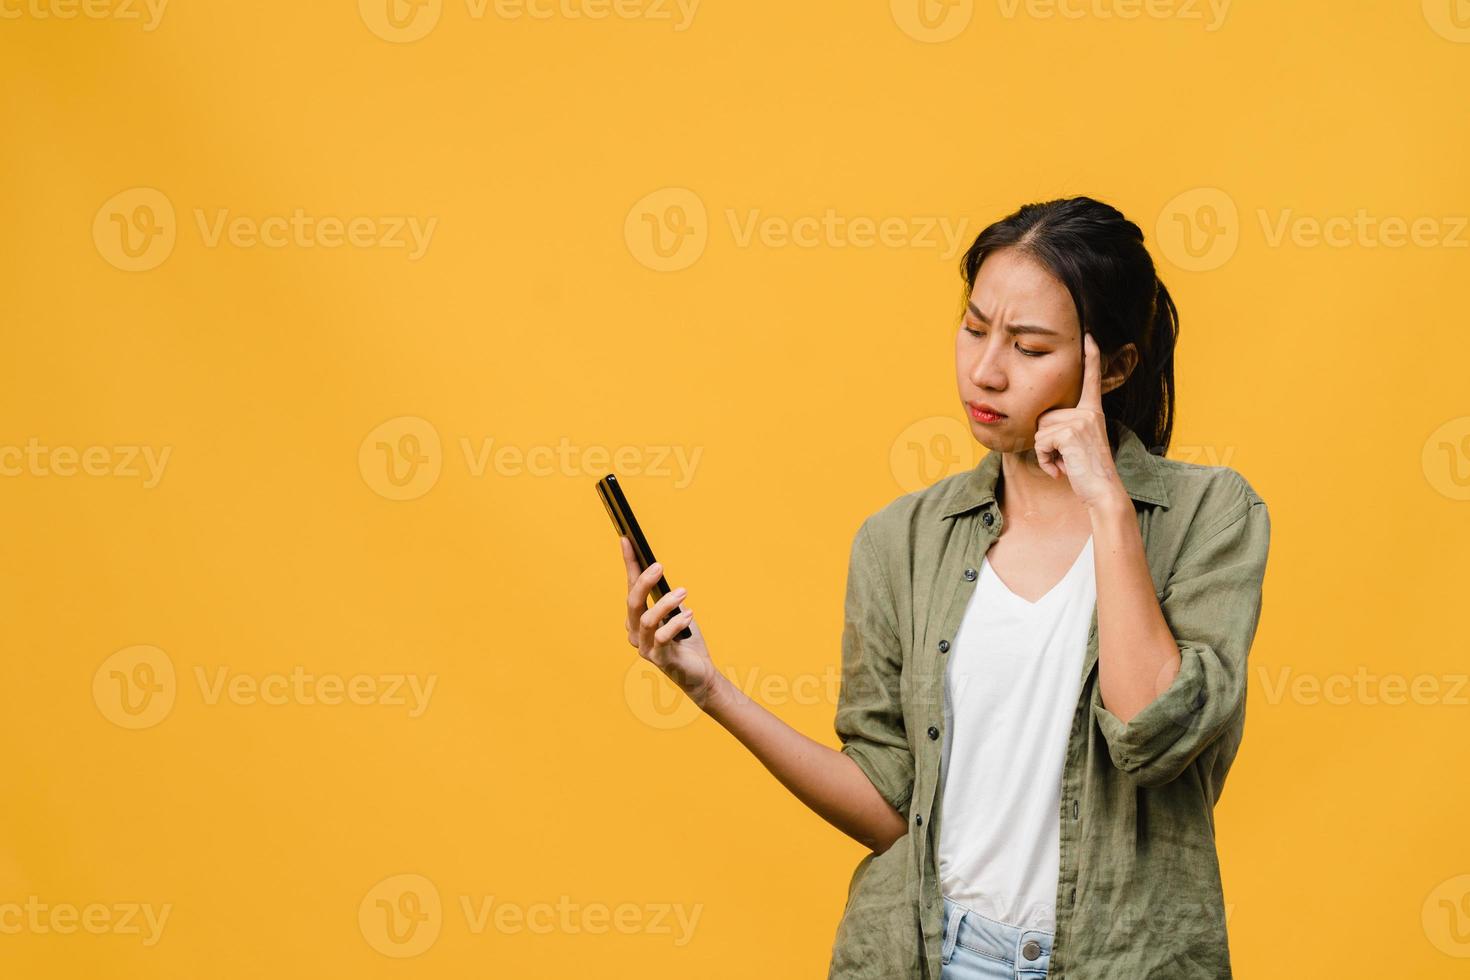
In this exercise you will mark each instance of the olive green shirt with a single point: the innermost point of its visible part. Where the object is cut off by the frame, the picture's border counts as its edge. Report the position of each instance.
(1138, 889)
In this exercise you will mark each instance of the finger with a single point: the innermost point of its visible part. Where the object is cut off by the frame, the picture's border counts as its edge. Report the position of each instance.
(654, 615)
(1043, 452)
(1091, 375)
(630, 560)
(638, 592)
(667, 632)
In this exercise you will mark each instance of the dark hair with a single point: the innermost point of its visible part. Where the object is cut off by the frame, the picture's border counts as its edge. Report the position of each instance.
(1099, 256)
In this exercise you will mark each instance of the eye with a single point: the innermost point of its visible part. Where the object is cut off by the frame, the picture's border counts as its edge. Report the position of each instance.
(1029, 353)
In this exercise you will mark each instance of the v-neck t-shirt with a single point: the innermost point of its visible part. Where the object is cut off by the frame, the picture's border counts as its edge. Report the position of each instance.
(1011, 690)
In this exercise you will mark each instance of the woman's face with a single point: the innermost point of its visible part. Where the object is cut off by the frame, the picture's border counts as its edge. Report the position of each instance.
(1018, 350)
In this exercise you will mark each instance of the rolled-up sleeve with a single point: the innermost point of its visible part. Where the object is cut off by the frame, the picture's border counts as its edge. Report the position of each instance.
(869, 720)
(1212, 603)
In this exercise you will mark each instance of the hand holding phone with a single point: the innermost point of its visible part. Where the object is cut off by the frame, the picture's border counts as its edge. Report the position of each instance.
(686, 662)
(611, 493)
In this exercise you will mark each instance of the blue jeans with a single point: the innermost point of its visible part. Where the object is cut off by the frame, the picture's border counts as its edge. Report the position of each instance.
(978, 948)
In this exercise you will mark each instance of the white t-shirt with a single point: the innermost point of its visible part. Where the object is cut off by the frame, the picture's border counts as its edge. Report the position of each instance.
(1011, 689)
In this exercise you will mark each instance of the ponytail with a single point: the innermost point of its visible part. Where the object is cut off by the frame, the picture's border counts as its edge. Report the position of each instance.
(1099, 255)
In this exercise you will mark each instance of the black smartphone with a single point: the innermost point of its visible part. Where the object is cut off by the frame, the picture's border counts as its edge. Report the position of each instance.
(611, 494)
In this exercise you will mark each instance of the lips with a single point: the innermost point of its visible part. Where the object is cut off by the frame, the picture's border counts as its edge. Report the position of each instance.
(987, 409)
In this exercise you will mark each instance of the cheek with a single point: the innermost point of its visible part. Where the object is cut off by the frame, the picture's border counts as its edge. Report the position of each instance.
(1045, 387)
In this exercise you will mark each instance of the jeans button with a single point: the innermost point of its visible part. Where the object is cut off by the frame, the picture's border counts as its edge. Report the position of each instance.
(1031, 950)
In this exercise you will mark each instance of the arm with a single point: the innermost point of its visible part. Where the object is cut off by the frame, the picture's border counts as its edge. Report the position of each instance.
(826, 780)
(862, 789)
(823, 778)
(1137, 657)
(1156, 725)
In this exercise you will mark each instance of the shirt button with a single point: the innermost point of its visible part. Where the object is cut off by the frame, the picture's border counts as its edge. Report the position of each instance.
(1075, 809)
(989, 518)
(933, 732)
(970, 575)
(1031, 950)
(944, 646)
(1074, 895)
(919, 819)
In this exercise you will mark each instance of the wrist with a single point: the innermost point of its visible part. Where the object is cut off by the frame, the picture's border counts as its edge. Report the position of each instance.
(714, 695)
(1115, 506)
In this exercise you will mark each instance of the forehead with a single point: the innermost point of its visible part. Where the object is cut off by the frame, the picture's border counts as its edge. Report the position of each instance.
(1017, 288)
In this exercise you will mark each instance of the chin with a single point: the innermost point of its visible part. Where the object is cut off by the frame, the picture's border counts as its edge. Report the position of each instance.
(999, 438)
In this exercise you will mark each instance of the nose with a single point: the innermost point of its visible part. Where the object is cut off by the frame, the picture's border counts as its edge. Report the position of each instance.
(988, 372)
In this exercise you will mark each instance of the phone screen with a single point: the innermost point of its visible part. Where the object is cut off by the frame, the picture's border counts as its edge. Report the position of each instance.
(610, 492)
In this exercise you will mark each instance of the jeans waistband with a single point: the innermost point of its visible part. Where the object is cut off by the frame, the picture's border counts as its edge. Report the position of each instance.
(1025, 949)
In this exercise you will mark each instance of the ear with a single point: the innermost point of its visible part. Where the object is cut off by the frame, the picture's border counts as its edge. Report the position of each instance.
(1118, 365)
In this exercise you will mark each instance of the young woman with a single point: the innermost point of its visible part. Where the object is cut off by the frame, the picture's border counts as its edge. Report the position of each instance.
(1044, 657)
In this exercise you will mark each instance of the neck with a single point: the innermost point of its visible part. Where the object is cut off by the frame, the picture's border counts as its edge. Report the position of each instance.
(1028, 495)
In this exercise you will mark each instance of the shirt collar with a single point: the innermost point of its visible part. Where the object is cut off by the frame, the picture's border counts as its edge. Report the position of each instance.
(1139, 469)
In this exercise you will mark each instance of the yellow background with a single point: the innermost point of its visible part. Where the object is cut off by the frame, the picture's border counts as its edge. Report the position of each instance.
(542, 315)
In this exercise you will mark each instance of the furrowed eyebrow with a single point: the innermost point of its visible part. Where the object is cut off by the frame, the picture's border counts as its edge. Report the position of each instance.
(1014, 329)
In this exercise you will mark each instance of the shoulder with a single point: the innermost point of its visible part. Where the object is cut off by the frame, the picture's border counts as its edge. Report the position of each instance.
(1206, 500)
(908, 522)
